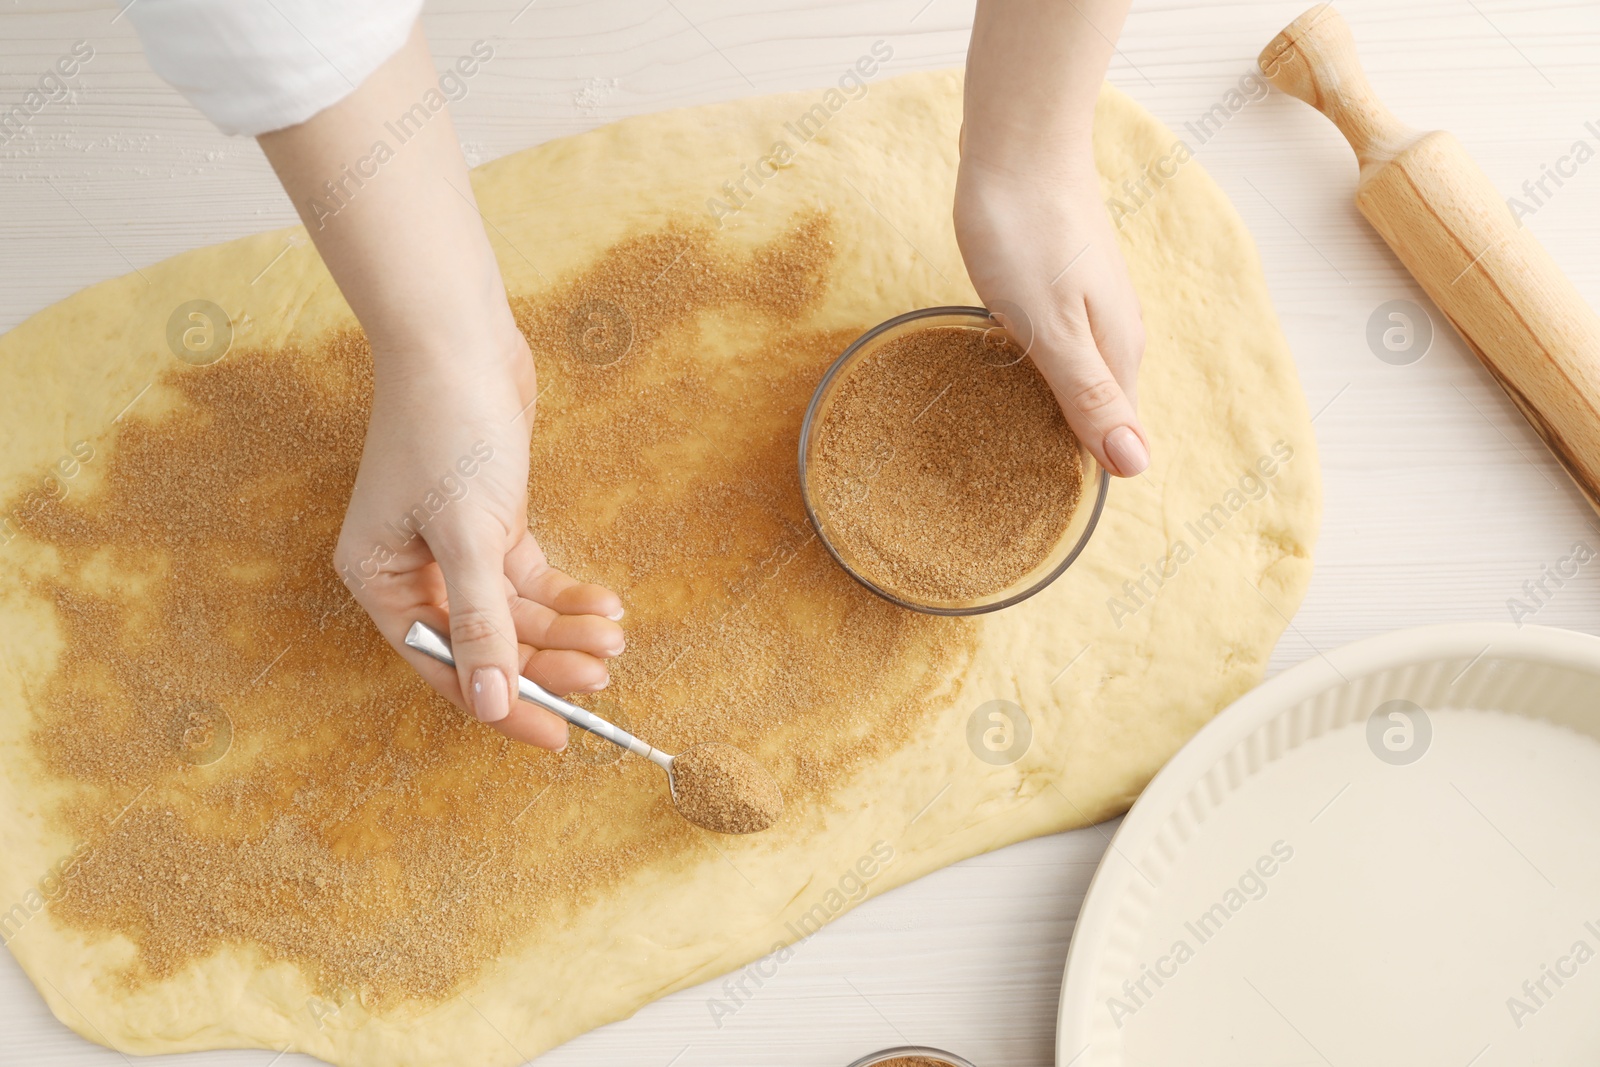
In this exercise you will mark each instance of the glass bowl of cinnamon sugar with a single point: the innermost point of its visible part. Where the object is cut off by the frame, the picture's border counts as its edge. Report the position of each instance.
(938, 470)
(911, 1056)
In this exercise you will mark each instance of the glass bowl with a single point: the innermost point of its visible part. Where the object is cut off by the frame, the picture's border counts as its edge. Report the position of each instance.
(908, 1051)
(1096, 480)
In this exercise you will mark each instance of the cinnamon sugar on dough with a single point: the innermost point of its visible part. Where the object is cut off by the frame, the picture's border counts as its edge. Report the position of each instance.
(357, 824)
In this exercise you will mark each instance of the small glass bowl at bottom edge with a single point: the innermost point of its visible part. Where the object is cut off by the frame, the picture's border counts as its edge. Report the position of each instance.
(911, 1050)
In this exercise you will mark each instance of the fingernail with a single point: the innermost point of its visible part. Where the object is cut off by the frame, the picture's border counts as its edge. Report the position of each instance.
(618, 648)
(597, 686)
(617, 617)
(490, 701)
(1126, 452)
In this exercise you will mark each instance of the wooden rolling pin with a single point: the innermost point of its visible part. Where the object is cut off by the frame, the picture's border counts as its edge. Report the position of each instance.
(1456, 235)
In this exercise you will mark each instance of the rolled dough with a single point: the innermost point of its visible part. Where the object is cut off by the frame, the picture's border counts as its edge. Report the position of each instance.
(1169, 615)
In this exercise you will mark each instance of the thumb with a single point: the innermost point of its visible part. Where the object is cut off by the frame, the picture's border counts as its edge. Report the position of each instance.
(482, 634)
(1074, 362)
(1097, 409)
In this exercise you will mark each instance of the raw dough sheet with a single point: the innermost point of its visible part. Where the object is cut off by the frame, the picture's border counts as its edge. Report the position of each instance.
(232, 817)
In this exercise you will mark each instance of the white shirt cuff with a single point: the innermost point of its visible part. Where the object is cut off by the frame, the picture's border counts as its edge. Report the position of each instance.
(253, 66)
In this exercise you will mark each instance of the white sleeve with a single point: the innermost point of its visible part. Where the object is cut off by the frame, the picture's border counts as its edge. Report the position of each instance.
(253, 66)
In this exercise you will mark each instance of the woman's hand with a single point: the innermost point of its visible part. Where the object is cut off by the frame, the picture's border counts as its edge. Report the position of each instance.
(1043, 256)
(437, 527)
(1038, 244)
(437, 531)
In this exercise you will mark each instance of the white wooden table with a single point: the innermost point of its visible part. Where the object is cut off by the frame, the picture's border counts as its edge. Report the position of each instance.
(1440, 502)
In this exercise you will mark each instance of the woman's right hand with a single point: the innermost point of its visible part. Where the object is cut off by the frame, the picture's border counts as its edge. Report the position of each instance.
(437, 527)
(437, 530)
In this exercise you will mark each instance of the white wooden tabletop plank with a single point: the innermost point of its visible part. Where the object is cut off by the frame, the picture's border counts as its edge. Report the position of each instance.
(1440, 503)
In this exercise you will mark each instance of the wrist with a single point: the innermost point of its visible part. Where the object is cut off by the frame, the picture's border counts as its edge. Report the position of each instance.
(456, 362)
(445, 329)
(1061, 156)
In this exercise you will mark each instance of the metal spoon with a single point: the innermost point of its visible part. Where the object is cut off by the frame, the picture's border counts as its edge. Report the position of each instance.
(431, 642)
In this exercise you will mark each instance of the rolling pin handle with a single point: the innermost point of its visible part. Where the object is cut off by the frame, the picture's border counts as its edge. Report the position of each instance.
(1314, 59)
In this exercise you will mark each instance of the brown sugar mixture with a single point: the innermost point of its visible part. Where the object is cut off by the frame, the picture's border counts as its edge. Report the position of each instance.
(914, 1061)
(246, 764)
(719, 787)
(943, 470)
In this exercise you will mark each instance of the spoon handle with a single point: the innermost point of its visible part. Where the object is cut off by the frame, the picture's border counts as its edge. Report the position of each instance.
(431, 642)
